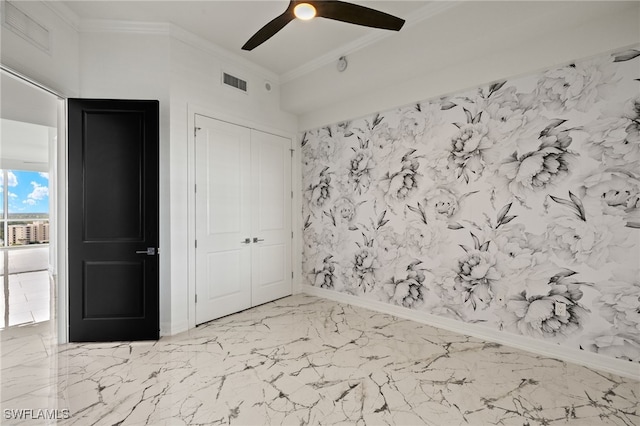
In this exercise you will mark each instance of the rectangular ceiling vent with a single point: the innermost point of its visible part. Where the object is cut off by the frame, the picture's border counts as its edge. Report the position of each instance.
(25, 26)
(234, 82)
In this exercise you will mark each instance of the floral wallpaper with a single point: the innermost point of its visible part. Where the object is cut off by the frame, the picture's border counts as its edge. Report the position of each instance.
(491, 206)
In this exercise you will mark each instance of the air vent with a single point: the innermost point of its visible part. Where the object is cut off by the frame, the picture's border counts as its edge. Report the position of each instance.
(236, 82)
(23, 25)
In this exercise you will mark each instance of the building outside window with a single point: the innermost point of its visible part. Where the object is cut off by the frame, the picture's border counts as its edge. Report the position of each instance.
(24, 208)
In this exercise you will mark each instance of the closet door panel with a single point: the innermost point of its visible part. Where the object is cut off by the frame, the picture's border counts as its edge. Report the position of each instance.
(223, 219)
(271, 217)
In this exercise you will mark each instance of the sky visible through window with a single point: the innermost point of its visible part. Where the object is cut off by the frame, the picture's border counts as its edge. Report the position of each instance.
(28, 192)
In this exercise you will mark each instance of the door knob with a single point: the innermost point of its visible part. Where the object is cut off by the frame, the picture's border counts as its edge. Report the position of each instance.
(256, 239)
(150, 251)
(246, 241)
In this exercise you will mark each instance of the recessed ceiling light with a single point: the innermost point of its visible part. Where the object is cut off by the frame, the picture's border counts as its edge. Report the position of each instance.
(304, 11)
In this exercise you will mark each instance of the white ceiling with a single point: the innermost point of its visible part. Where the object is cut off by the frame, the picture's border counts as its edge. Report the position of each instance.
(229, 24)
(24, 146)
(28, 117)
(26, 103)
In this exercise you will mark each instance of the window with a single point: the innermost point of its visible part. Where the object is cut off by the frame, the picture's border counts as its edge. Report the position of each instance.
(24, 207)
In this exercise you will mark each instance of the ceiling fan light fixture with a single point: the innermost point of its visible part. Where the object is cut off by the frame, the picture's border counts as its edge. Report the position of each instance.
(304, 11)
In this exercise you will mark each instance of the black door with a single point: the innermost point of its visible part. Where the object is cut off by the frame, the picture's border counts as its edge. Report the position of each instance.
(113, 220)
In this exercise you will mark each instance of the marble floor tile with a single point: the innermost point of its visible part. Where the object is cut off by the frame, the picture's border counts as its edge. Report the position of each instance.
(29, 299)
(306, 360)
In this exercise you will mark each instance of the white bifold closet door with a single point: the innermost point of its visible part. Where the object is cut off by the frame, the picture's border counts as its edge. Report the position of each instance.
(243, 218)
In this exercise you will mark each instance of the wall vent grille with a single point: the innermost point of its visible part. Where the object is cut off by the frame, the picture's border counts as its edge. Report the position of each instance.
(27, 28)
(235, 82)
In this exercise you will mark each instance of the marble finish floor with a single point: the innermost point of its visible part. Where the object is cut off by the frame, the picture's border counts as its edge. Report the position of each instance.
(28, 301)
(306, 360)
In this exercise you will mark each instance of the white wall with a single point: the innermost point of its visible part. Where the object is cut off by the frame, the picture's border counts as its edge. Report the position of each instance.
(196, 88)
(184, 77)
(118, 65)
(24, 146)
(57, 69)
(471, 44)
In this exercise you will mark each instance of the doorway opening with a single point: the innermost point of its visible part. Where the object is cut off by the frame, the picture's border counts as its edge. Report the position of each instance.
(29, 130)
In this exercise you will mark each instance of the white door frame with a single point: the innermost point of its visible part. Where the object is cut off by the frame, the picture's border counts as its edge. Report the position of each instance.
(60, 265)
(192, 111)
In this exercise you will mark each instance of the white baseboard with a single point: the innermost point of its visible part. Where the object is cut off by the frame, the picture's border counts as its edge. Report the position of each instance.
(588, 359)
(170, 329)
(165, 329)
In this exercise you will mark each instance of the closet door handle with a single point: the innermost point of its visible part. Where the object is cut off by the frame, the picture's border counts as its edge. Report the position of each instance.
(246, 241)
(256, 239)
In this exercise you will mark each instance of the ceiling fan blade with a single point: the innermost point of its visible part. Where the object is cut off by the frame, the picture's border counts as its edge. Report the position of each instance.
(356, 14)
(269, 30)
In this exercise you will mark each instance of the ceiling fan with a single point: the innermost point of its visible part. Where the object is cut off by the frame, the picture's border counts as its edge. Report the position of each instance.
(336, 10)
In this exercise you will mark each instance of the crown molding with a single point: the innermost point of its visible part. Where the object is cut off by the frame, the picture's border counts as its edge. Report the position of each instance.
(155, 28)
(131, 27)
(63, 12)
(420, 15)
(160, 28)
(198, 42)
(178, 33)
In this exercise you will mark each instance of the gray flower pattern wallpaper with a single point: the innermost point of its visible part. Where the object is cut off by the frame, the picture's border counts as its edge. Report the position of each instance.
(515, 206)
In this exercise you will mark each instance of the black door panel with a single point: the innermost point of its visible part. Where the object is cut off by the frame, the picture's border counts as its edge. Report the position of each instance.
(113, 220)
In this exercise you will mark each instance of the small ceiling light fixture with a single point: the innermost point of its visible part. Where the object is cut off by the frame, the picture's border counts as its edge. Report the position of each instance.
(304, 11)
